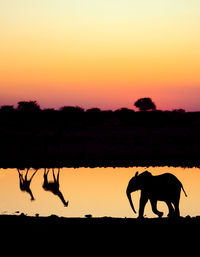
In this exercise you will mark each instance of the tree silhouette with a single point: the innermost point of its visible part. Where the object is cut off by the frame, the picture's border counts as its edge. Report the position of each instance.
(145, 104)
(73, 110)
(28, 106)
(7, 108)
(93, 111)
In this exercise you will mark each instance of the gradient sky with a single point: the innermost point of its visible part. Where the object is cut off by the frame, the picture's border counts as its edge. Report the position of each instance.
(100, 53)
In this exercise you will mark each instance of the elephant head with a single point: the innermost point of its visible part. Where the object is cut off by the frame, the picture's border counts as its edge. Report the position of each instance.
(136, 183)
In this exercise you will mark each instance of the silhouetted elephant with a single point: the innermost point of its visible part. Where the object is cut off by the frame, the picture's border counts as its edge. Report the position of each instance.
(165, 187)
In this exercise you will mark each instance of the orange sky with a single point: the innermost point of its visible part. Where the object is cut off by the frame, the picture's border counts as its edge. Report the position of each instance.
(103, 54)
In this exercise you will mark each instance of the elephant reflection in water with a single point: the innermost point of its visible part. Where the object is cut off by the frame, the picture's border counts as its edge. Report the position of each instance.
(53, 186)
(24, 182)
(165, 187)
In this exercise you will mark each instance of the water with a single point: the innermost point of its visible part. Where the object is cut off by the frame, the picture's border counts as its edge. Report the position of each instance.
(96, 191)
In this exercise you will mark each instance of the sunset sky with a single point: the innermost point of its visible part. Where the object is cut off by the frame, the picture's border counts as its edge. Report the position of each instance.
(100, 53)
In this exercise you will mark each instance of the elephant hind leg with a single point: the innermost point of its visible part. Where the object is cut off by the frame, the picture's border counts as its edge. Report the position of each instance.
(171, 209)
(176, 206)
(177, 211)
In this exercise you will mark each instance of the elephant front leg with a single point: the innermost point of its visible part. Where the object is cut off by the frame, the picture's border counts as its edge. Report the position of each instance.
(143, 201)
(154, 208)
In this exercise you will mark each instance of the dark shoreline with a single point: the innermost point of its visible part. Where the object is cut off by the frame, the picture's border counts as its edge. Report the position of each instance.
(94, 236)
(70, 222)
(98, 164)
(100, 224)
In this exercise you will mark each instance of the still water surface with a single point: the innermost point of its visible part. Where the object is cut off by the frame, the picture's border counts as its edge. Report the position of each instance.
(96, 191)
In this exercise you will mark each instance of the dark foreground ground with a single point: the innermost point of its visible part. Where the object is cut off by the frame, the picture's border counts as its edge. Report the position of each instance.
(93, 235)
(54, 236)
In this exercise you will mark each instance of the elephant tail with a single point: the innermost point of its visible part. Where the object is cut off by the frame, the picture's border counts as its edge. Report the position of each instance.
(183, 190)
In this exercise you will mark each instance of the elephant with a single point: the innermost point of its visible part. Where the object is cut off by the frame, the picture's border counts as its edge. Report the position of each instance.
(165, 187)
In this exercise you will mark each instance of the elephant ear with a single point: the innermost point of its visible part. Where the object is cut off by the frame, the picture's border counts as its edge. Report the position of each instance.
(136, 174)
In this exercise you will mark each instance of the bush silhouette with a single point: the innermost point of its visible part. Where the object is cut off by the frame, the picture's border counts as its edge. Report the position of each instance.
(72, 110)
(7, 108)
(28, 106)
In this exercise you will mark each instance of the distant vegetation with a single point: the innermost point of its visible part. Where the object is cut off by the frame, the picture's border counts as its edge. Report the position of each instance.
(29, 113)
(143, 104)
(74, 136)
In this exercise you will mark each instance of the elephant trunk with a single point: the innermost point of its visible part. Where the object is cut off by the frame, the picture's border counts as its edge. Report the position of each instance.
(128, 193)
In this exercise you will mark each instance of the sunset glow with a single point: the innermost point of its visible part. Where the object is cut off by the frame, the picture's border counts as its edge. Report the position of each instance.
(104, 54)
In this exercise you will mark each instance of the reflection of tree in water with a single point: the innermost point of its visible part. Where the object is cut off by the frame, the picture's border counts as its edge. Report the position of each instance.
(53, 186)
(24, 182)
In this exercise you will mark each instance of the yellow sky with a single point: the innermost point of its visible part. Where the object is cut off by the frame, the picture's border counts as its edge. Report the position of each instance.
(107, 53)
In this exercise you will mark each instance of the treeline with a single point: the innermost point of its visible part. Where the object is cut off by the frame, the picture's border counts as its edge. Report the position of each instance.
(72, 136)
(143, 104)
(30, 112)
